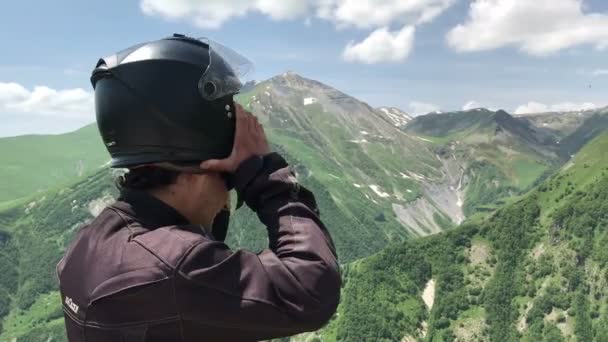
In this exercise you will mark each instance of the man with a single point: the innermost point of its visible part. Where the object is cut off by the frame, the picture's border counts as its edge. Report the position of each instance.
(153, 266)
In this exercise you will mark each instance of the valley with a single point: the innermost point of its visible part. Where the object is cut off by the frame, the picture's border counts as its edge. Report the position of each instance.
(497, 220)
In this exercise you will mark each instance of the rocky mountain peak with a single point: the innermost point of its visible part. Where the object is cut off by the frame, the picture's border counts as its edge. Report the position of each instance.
(397, 116)
(295, 81)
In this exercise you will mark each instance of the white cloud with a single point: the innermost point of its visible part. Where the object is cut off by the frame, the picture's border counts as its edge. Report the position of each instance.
(358, 13)
(381, 46)
(283, 9)
(44, 101)
(214, 13)
(380, 13)
(538, 27)
(600, 72)
(367, 14)
(471, 105)
(537, 107)
(419, 108)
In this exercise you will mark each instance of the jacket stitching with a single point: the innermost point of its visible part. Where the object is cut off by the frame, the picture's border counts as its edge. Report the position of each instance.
(177, 309)
(95, 324)
(93, 300)
(293, 232)
(122, 214)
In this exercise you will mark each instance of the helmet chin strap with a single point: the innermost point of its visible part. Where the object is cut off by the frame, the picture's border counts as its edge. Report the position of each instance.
(221, 222)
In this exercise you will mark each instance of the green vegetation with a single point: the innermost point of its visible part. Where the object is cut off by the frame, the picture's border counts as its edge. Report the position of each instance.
(453, 125)
(528, 266)
(487, 186)
(510, 277)
(591, 128)
(34, 237)
(383, 297)
(502, 156)
(512, 232)
(34, 163)
(43, 320)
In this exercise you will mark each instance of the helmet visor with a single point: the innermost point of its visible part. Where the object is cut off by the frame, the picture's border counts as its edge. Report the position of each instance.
(228, 72)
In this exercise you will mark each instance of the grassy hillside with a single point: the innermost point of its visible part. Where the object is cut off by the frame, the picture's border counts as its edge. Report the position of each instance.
(535, 266)
(534, 271)
(360, 157)
(501, 155)
(592, 127)
(440, 170)
(561, 125)
(375, 185)
(34, 237)
(34, 163)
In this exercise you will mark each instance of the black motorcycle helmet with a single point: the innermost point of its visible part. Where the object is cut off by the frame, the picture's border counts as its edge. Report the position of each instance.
(167, 102)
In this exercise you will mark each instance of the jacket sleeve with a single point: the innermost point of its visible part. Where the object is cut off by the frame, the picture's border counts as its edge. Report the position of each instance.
(291, 287)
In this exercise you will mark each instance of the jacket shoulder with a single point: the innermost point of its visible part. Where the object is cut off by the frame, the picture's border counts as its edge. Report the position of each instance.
(171, 243)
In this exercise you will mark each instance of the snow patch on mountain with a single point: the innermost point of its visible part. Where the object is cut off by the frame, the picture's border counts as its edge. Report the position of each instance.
(423, 139)
(403, 175)
(359, 141)
(395, 115)
(310, 100)
(379, 191)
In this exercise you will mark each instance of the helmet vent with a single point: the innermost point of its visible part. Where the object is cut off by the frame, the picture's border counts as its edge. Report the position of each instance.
(209, 89)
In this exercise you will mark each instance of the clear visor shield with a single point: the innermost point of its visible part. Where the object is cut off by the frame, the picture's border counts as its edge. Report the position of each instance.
(227, 73)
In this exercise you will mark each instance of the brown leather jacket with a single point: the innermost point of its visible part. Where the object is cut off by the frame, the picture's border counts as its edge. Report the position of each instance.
(140, 272)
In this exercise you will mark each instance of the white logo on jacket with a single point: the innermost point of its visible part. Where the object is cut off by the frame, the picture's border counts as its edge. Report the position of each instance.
(71, 304)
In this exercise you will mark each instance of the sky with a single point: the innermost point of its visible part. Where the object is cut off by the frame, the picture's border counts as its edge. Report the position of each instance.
(418, 55)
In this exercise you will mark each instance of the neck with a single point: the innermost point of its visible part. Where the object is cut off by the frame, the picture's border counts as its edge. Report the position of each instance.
(184, 206)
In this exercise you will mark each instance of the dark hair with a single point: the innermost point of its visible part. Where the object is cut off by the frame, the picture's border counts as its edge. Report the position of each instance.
(146, 178)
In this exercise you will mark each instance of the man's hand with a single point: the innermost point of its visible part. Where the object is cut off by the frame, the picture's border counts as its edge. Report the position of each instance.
(249, 140)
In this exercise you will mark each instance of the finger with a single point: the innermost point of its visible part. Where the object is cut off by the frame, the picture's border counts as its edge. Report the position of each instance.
(241, 122)
(241, 108)
(252, 124)
(220, 165)
(259, 129)
(242, 111)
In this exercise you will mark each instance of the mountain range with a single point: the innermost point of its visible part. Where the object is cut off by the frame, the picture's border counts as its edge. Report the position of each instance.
(535, 270)
(383, 180)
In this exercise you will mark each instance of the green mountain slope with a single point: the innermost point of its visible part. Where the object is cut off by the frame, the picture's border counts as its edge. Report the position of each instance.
(375, 184)
(536, 270)
(592, 127)
(33, 237)
(369, 166)
(561, 124)
(500, 155)
(414, 182)
(34, 163)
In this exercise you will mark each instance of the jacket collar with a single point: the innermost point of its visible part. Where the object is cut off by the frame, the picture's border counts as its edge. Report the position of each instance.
(149, 210)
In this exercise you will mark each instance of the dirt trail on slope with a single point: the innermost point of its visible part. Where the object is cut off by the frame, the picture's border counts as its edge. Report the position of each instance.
(428, 295)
